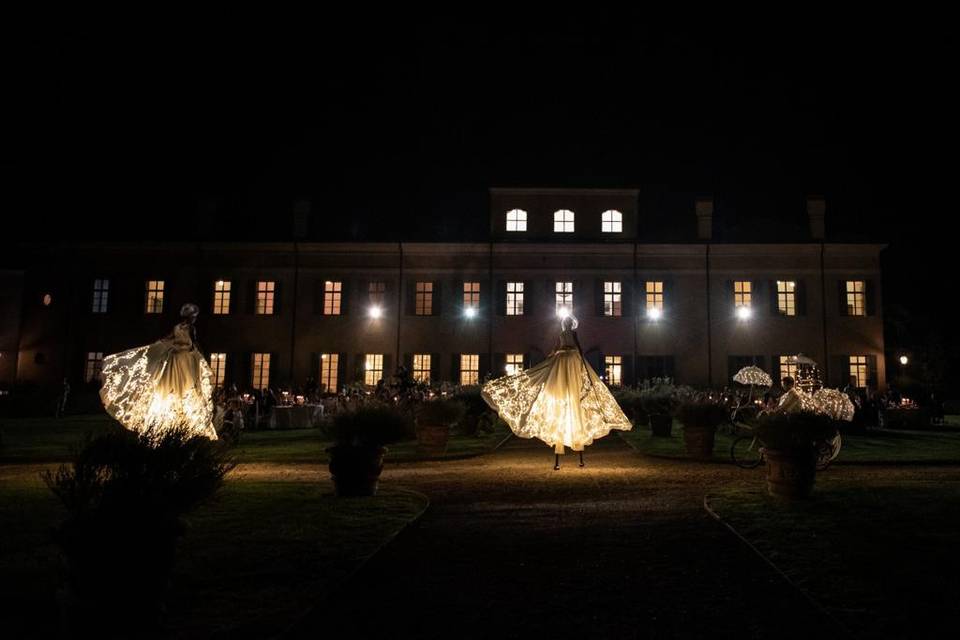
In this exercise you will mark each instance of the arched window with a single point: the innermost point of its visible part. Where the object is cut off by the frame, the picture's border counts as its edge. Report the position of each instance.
(563, 221)
(516, 220)
(611, 221)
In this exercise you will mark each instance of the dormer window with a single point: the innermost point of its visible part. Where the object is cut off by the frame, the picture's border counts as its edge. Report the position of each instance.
(563, 221)
(516, 220)
(611, 221)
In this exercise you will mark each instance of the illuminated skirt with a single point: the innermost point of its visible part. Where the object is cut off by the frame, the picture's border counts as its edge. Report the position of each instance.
(159, 387)
(561, 401)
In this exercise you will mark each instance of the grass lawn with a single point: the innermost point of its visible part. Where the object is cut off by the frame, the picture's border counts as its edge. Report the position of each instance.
(44, 440)
(260, 555)
(882, 558)
(877, 447)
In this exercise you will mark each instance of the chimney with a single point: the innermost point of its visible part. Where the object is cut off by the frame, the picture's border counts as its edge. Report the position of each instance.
(816, 207)
(301, 218)
(704, 210)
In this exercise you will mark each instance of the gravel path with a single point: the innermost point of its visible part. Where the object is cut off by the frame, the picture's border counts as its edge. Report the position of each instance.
(619, 549)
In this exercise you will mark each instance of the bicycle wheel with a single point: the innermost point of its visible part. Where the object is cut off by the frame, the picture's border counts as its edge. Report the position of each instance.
(745, 452)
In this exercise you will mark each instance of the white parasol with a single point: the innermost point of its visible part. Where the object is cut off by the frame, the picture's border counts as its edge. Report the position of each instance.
(833, 403)
(753, 376)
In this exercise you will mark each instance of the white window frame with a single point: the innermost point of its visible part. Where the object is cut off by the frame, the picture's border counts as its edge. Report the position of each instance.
(613, 370)
(515, 298)
(421, 367)
(372, 368)
(516, 220)
(221, 297)
(563, 221)
(611, 221)
(330, 372)
(469, 369)
(101, 295)
(613, 299)
(332, 297)
(563, 290)
(266, 297)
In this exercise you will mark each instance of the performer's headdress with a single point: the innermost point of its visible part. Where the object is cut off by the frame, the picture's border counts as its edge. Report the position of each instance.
(571, 320)
(189, 310)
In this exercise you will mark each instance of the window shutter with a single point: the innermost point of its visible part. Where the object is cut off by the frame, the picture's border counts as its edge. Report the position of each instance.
(598, 294)
(251, 296)
(801, 293)
(341, 371)
(872, 371)
(344, 297)
(774, 309)
(455, 303)
(408, 362)
(842, 298)
(730, 293)
(484, 366)
(626, 300)
(841, 370)
(775, 369)
(277, 299)
(499, 365)
(387, 365)
(455, 368)
(501, 302)
(411, 297)
(241, 369)
(437, 298)
(358, 367)
(870, 297)
(317, 297)
(434, 367)
(668, 297)
(627, 371)
(528, 297)
(314, 366)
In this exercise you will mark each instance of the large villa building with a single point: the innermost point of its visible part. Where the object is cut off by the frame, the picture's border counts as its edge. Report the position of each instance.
(276, 314)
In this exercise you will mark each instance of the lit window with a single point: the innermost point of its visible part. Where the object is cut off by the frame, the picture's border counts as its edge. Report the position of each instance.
(469, 368)
(221, 297)
(218, 364)
(101, 291)
(91, 372)
(421, 367)
(654, 290)
(516, 220)
(514, 298)
(563, 221)
(858, 370)
(260, 371)
(372, 368)
(742, 293)
(514, 363)
(787, 297)
(471, 295)
(612, 299)
(564, 295)
(424, 301)
(856, 298)
(329, 367)
(611, 221)
(788, 367)
(332, 292)
(266, 289)
(613, 366)
(154, 296)
(377, 291)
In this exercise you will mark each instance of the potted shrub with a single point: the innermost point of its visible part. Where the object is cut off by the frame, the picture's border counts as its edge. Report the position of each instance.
(631, 403)
(434, 419)
(126, 496)
(659, 401)
(790, 447)
(700, 416)
(477, 415)
(360, 437)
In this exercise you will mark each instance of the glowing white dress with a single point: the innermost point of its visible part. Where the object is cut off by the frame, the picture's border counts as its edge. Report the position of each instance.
(561, 400)
(160, 386)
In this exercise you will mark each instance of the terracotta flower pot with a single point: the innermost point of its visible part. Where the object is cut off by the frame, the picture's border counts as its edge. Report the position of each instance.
(791, 473)
(432, 439)
(699, 441)
(661, 426)
(355, 471)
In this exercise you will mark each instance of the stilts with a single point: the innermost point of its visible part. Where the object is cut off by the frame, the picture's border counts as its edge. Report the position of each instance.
(556, 462)
(581, 458)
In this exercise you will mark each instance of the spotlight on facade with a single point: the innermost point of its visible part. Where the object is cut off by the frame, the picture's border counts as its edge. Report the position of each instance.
(563, 312)
(904, 360)
(470, 312)
(375, 312)
(654, 313)
(744, 312)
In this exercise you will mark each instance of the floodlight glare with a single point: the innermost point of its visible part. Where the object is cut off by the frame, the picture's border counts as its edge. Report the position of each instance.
(654, 313)
(744, 312)
(470, 312)
(375, 312)
(563, 312)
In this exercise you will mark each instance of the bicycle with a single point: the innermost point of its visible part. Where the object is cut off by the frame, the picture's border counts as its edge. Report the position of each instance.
(747, 452)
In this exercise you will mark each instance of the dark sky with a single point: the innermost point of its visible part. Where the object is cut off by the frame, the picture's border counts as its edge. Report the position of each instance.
(396, 126)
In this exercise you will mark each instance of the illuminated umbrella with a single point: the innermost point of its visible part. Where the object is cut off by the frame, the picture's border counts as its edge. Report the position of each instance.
(833, 403)
(753, 376)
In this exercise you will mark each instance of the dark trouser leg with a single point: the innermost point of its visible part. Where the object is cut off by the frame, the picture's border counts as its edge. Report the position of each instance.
(556, 462)
(581, 458)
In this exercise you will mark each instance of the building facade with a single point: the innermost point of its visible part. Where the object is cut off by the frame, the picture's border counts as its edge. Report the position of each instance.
(276, 314)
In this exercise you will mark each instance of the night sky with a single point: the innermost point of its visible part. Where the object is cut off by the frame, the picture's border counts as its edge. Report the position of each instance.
(396, 129)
